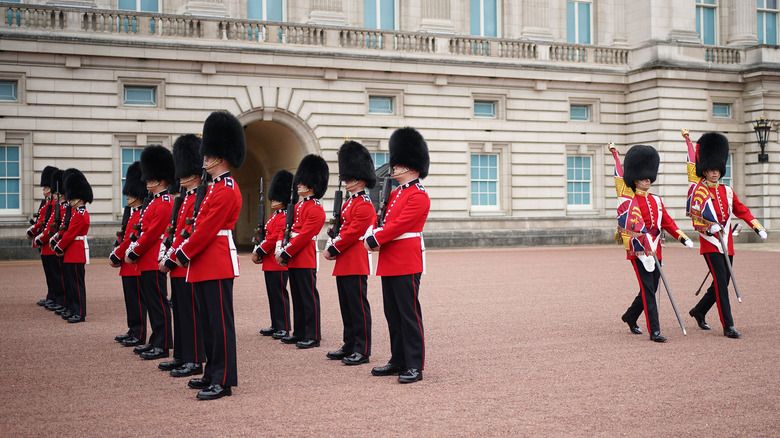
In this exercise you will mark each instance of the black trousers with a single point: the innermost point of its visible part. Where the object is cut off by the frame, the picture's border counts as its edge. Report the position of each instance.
(645, 299)
(278, 299)
(187, 329)
(718, 292)
(306, 303)
(400, 295)
(73, 273)
(135, 306)
(355, 313)
(154, 290)
(52, 268)
(214, 301)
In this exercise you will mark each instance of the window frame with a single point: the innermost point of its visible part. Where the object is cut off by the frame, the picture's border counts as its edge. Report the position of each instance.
(761, 13)
(598, 175)
(264, 11)
(503, 205)
(593, 109)
(19, 78)
(499, 13)
(700, 7)
(577, 20)
(728, 105)
(395, 95)
(22, 140)
(493, 104)
(590, 182)
(378, 18)
(138, 7)
(17, 178)
(141, 82)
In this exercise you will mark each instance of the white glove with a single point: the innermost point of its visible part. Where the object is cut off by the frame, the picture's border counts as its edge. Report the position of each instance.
(762, 234)
(688, 243)
(715, 228)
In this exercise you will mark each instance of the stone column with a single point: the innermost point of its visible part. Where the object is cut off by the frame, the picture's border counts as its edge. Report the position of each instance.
(682, 19)
(618, 13)
(437, 17)
(536, 21)
(742, 23)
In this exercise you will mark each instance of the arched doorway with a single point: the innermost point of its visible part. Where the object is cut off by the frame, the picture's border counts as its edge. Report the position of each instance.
(273, 142)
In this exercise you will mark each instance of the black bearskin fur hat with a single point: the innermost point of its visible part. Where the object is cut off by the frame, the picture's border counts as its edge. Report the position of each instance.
(56, 182)
(46, 175)
(223, 137)
(76, 185)
(355, 163)
(408, 148)
(712, 152)
(281, 186)
(187, 157)
(134, 185)
(156, 164)
(641, 162)
(313, 172)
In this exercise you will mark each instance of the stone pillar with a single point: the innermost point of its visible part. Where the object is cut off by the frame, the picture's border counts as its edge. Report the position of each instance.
(683, 20)
(742, 23)
(618, 14)
(437, 17)
(536, 21)
(328, 12)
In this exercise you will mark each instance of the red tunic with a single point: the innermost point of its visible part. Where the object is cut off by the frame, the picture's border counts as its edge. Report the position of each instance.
(653, 212)
(187, 206)
(118, 254)
(357, 216)
(208, 249)
(154, 220)
(720, 201)
(69, 244)
(274, 230)
(48, 232)
(309, 219)
(407, 212)
(36, 228)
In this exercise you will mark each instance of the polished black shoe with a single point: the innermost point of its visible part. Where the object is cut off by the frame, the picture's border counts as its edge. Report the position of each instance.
(731, 332)
(355, 359)
(53, 307)
(388, 370)
(699, 320)
(188, 369)
(290, 339)
(155, 353)
(267, 331)
(214, 392)
(60, 311)
(142, 348)
(631, 325)
(337, 355)
(307, 343)
(76, 318)
(169, 365)
(280, 334)
(199, 383)
(43, 302)
(132, 341)
(411, 375)
(122, 337)
(657, 337)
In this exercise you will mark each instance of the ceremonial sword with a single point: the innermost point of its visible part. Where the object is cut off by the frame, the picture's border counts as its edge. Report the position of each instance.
(728, 264)
(669, 292)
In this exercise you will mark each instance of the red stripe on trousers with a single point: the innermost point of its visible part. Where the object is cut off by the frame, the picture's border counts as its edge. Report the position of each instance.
(418, 319)
(644, 298)
(717, 291)
(224, 335)
(363, 308)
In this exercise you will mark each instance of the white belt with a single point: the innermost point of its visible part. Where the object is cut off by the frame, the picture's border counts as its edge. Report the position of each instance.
(422, 244)
(296, 235)
(86, 246)
(233, 252)
(408, 236)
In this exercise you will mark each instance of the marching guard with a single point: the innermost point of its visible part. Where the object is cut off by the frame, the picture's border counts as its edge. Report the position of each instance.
(36, 227)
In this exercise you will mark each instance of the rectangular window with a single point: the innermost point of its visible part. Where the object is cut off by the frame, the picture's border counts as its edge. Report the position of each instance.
(379, 14)
(767, 21)
(139, 5)
(578, 181)
(579, 113)
(380, 105)
(266, 10)
(10, 178)
(721, 110)
(484, 17)
(129, 156)
(727, 179)
(485, 108)
(140, 95)
(705, 20)
(380, 159)
(9, 91)
(578, 21)
(484, 180)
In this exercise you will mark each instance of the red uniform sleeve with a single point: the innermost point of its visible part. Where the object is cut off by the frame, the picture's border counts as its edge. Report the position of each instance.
(153, 225)
(208, 224)
(37, 226)
(362, 217)
(741, 211)
(311, 225)
(78, 227)
(417, 205)
(273, 233)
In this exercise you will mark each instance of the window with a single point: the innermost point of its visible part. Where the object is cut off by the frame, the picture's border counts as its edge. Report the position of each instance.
(578, 21)
(767, 21)
(380, 159)
(139, 5)
(9, 91)
(267, 10)
(10, 178)
(485, 108)
(379, 14)
(705, 20)
(578, 181)
(727, 178)
(484, 180)
(129, 155)
(484, 17)
(721, 110)
(140, 95)
(579, 113)
(380, 105)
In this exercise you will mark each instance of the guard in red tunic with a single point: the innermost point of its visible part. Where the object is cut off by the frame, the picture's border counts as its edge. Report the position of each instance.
(640, 170)
(276, 275)
(356, 169)
(400, 244)
(36, 227)
(188, 350)
(71, 243)
(211, 257)
(157, 171)
(300, 253)
(53, 263)
(134, 191)
(713, 153)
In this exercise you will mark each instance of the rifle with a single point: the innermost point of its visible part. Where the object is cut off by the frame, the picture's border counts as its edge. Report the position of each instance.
(384, 200)
(137, 227)
(120, 235)
(170, 231)
(260, 230)
(57, 213)
(288, 225)
(35, 215)
(200, 194)
(338, 201)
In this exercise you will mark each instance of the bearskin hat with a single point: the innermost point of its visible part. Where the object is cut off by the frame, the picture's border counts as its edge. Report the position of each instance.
(641, 162)
(46, 175)
(134, 185)
(223, 137)
(408, 148)
(280, 187)
(712, 152)
(56, 182)
(156, 164)
(187, 156)
(313, 172)
(355, 163)
(76, 185)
